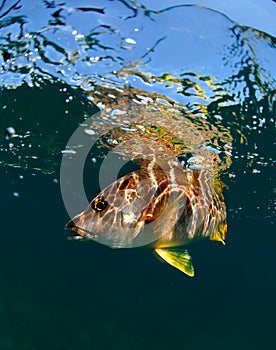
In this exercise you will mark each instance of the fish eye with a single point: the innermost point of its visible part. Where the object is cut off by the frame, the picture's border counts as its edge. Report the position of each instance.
(99, 204)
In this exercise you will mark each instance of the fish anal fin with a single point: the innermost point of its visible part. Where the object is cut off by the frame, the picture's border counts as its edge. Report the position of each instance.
(180, 259)
(220, 233)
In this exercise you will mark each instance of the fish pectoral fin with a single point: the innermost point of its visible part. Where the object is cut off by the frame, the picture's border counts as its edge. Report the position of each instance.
(169, 217)
(180, 259)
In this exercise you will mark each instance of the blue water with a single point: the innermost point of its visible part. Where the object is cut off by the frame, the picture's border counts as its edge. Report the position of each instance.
(57, 61)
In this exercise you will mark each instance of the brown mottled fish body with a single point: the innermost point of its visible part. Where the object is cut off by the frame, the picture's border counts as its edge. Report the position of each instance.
(163, 205)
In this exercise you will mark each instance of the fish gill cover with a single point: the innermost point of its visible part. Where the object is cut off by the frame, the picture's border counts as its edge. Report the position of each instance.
(66, 60)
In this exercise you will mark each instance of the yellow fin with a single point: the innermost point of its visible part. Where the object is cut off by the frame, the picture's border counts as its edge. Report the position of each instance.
(180, 259)
(220, 234)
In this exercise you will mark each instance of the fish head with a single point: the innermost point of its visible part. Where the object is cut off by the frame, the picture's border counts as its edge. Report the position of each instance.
(121, 215)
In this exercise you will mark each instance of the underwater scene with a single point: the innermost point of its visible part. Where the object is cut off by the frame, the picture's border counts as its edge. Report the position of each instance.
(145, 127)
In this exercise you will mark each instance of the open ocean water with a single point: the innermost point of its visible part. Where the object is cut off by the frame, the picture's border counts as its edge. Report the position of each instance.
(58, 60)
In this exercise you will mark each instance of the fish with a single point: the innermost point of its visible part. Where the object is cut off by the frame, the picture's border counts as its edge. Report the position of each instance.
(176, 196)
(164, 206)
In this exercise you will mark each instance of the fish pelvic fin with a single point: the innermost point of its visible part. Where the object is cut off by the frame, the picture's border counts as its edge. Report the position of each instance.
(180, 259)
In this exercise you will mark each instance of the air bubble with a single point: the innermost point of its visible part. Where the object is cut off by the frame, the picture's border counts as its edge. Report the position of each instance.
(9, 133)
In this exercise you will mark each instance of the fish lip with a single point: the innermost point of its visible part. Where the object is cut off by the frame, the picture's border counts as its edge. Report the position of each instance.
(70, 226)
(75, 237)
(78, 232)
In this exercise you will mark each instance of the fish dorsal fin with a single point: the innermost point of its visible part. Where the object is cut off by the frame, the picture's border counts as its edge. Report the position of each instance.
(180, 259)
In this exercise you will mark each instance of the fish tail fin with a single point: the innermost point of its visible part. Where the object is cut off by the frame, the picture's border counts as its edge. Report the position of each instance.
(180, 259)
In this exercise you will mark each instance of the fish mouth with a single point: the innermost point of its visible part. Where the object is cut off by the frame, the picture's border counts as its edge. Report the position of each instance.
(77, 232)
